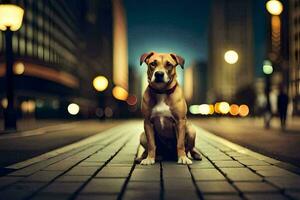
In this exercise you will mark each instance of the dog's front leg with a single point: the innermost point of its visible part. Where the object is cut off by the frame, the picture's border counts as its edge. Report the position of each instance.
(151, 147)
(182, 157)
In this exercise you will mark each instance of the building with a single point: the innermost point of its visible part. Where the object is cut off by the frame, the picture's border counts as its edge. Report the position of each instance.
(230, 29)
(54, 62)
(294, 79)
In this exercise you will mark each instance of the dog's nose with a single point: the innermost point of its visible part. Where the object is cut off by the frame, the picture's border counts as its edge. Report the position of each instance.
(159, 75)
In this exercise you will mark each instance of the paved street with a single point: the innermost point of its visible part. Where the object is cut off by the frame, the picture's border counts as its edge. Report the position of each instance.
(42, 136)
(250, 133)
(102, 167)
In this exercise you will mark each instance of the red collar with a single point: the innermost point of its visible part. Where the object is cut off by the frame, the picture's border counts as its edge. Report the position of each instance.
(168, 92)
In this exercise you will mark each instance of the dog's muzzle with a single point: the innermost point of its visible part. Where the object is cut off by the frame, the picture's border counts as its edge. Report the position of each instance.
(159, 76)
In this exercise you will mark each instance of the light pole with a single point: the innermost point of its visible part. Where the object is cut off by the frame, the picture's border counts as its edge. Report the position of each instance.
(11, 17)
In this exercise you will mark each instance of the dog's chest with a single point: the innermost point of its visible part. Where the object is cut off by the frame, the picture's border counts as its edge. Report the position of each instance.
(161, 109)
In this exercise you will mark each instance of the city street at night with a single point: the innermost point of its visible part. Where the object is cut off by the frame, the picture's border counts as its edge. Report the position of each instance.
(149, 100)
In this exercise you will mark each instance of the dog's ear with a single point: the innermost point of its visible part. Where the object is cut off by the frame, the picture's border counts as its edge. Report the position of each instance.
(180, 60)
(145, 56)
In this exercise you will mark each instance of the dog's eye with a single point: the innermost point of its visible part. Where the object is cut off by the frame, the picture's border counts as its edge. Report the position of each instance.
(168, 64)
(153, 64)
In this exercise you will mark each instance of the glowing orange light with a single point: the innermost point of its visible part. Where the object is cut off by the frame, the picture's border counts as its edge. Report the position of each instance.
(217, 107)
(234, 109)
(224, 107)
(243, 110)
(120, 93)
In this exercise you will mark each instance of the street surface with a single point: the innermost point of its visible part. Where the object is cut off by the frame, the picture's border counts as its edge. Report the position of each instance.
(250, 133)
(44, 136)
(103, 167)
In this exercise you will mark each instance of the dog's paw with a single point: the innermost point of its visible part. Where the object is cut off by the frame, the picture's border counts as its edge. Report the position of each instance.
(148, 161)
(184, 160)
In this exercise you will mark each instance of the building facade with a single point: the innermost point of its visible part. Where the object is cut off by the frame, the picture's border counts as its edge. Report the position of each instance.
(230, 29)
(294, 78)
(53, 62)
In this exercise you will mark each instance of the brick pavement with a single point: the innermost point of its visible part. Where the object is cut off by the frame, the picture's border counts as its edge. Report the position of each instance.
(105, 169)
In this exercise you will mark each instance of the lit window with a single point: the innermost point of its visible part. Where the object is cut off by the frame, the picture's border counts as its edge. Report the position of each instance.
(40, 52)
(29, 32)
(29, 48)
(15, 43)
(22, 46)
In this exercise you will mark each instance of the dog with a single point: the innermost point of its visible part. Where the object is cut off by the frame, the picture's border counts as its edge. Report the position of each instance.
(167, 133)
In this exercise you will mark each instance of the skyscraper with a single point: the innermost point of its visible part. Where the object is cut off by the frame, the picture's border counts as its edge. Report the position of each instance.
(295, 54)
(230, 29)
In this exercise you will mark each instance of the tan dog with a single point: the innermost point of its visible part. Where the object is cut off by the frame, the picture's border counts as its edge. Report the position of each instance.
(167, 132)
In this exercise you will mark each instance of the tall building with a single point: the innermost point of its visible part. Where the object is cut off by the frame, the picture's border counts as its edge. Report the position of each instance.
(230, 29)
(294, 87)
(54, 64)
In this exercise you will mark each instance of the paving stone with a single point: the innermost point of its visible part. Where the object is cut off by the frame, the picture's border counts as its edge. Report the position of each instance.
(114, 172)
(60, 166)
(202, 165)
(267, 167)
(97, 197)
(276, 172)
(82, 171)
(98, 158)
(8, 180)
(243, 157)
(171, 195)
(42, 196)
(293, 194)
(228, 163)
(253, 162)
(143, 185)
(241, 174)
(285, 182)
(66, 178)
(178, 184)
(215, 187)
(235, 154)
(265, 196)
(155, 166)
(145, 175)
(207, 174)
(221, 197)
(104, 186)
(140, 194)
(42, 176)
(176, 172)
(62, 188)
(120, 165)
(214, 158)
(20, 190)
(255, 187)
(90, 164)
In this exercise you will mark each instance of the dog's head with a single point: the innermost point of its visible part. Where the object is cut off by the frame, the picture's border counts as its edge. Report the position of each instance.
(161, 68)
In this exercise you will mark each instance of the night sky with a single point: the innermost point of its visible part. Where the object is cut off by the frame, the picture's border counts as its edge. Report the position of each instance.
(181, 27)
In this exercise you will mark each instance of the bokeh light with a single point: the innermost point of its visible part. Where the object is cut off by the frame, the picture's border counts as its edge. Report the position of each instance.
(100, 83)
(224, 107)
(131, 100)
(73, 109)
(120, 93)
(274, 7)
(243, 110)
(231, 57)
(194, 109)
(19, 68)
(267, 67)
(4, 103)
(28, 106)
(234, 109)
(108, 112)
(204, 109)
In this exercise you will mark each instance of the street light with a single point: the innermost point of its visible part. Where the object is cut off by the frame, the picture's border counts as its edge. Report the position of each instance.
(100, 83)
(11, 17)
(267, 67)
(231, 57)
(274, 7)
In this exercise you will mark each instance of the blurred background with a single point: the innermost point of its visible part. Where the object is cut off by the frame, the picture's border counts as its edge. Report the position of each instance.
(79, 59)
